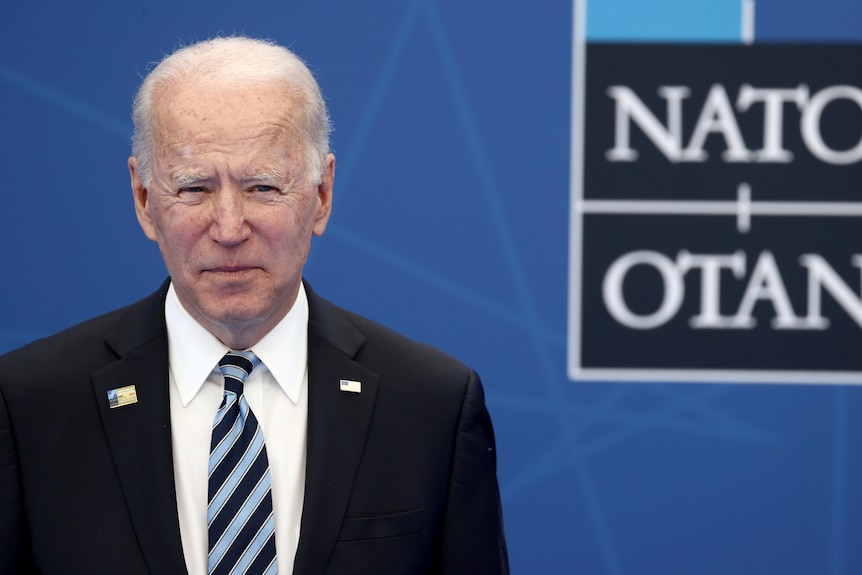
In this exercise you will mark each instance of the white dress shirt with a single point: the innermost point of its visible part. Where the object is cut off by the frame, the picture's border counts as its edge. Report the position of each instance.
(276, 391)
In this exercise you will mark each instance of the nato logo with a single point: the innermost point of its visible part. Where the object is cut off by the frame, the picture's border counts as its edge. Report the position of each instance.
(716, 193)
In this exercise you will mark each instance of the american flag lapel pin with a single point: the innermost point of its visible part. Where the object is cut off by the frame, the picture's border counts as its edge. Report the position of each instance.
(350, 386)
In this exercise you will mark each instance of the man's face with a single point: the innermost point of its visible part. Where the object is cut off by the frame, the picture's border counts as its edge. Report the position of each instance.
(230, 204)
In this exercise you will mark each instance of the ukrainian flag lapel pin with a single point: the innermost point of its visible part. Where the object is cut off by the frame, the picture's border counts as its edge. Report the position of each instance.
(122, 396)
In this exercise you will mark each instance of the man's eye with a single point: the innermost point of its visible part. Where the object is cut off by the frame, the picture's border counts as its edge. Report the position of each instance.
(263, 188)
(192, 189)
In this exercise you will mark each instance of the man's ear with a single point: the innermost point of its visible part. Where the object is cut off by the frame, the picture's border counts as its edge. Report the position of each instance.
(324, 196)
(142, 197)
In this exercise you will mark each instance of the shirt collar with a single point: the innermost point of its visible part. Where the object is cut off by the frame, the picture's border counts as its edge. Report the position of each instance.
(194, 353)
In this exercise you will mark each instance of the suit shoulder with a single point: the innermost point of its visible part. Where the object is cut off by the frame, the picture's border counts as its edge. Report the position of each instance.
(75, 338)
(84, 344)
(401, 348)
(382, 348)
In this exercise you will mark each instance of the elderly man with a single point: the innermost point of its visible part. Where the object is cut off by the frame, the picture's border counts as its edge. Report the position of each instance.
(234, 421)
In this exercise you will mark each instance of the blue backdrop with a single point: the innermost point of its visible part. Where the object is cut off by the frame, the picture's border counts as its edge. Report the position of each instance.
(451, 225)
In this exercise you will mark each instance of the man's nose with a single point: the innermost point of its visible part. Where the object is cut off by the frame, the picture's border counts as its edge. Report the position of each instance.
(228, 225)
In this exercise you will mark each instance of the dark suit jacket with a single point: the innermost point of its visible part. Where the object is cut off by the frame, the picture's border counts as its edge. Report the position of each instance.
(400, 477)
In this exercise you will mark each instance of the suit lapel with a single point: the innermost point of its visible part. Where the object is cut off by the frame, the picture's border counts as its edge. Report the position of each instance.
(338, 423)
(139, 434)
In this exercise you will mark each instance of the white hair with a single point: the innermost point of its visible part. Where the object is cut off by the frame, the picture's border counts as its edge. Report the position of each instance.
(238, 60)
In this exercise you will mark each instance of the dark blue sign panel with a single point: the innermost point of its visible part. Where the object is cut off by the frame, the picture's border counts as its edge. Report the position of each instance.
(715, 205)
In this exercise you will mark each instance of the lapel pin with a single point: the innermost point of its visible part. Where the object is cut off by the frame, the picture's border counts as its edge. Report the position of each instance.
(350, 386)
(122, 396)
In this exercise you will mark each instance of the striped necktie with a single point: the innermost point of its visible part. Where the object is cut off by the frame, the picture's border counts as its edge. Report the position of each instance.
(239, 514)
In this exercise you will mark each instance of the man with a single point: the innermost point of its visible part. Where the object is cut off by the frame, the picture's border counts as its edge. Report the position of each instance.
(368, 453)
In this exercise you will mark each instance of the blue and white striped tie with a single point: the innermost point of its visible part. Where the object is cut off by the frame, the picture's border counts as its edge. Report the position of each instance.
(239, 514)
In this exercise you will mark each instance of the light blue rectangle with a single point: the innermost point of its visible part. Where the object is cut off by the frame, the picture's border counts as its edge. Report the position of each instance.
(664, 20)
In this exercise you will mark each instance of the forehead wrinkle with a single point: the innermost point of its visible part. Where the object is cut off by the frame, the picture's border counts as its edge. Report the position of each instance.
(179, 124)
(202, 139)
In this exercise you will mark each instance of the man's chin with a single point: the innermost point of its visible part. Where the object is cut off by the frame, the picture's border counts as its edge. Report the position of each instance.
(235, 308)
(235, 317)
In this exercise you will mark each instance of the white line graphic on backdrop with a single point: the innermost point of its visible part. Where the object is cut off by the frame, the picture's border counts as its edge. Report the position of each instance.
(743, 208)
